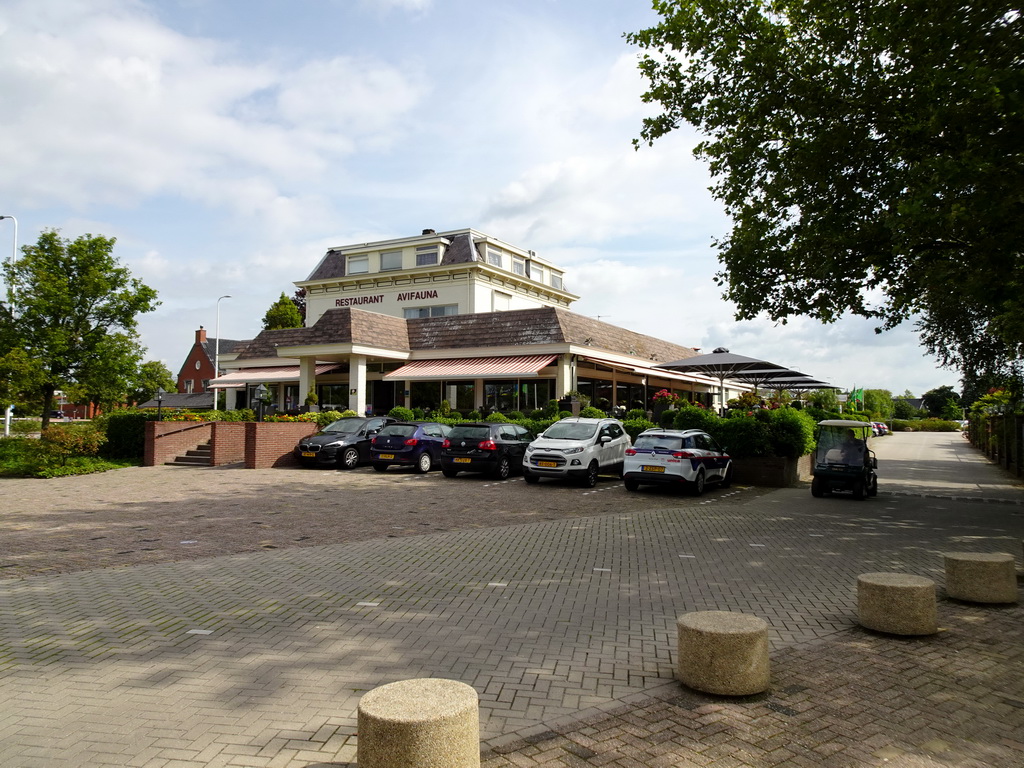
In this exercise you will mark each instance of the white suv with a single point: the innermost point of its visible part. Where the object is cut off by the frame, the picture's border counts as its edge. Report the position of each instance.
(577, 448)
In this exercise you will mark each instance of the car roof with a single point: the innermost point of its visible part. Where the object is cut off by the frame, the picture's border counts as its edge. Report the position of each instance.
(585, 420)
(673, 432)
(843, 423)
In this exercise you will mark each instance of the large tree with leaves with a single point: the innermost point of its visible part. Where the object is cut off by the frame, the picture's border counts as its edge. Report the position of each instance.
(283, 313)
(869, 153)
(73, 310)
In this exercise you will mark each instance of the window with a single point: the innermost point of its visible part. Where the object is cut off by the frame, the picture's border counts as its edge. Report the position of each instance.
(390, 260)
(206, 384)
(519, 266)
(556, 280)
(493, 256)
(358, 265)
(500, 302)
(443, 310)
(426, 255)
(188, 386)
(537, 272)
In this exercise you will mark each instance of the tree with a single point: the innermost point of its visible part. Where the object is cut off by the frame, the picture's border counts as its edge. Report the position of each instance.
(878, 402)
(151, 375)
(902, 409)
(282, 314)
(75, 305)
(299, 300)
(941, 401)
(868, 153)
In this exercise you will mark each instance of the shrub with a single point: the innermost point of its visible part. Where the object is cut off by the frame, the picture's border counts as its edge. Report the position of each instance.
(496, 418)
(791, 433)
(538, 414)
(904, 425)
(418, 414)
(328, 417)
(592, 413)
(694, 417)
(60, 443)
(634, 427)
(444, 410)
(348, 413)
(743, 436)
(401, 413)
(126, 433)
(473, 416)
(667, 419)
(636, 413)
(565, 414)
(25, 426)
(551, 409)
(516, 415)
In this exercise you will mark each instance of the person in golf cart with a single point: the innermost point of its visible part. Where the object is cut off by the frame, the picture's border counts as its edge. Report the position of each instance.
(842, 461)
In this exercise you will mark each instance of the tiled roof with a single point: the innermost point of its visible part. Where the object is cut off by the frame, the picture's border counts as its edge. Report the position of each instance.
(523, 328)
(227, 346)
(460, 251)
(195, 400)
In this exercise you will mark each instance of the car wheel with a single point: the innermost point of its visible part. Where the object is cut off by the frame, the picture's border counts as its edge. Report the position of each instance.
(873, 488)
(424, 463)
(380, 466)
(503, 470)
(590, 479)
(349, 458)
(697, 486)
(727, 480)
(531, 479)
(858, 490)
(631, 485)
(817, 488)
(449, 472)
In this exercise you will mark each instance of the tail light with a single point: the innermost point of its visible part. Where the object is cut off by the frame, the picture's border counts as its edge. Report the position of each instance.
(631, 452)
(412, 441)
(487, 445)
(373, 441)
(682, 455)
(447, 443)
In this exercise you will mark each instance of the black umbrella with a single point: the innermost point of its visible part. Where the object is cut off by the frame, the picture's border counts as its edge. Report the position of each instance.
(722, 364)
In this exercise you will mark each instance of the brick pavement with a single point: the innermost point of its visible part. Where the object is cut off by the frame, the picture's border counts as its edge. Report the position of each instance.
(564, 627)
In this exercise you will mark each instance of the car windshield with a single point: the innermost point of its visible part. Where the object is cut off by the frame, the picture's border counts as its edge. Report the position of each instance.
(345, 426)
(469, 433)
(664, 442)
(570, 430)
(403, 430)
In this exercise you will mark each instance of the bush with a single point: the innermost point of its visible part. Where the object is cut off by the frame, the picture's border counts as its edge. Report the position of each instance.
(401, 413)
(515, 416)
(496, 418)
(551, 409)
(694, 417)
(634, 427)
(743, 436)
(592, 413)
(791, 433)
(936, 425)
(327, 417)
(25, 426)
(126, 433)
(636, 413)
(666, 420)
(473, 416)
(60, 443)
(537, 414)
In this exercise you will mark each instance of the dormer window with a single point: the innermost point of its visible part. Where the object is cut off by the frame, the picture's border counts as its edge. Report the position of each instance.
(390, 260)
(493, 256)
(358, 265)
(426, 255)
(519, 266)
(556, 280)
(537, 272)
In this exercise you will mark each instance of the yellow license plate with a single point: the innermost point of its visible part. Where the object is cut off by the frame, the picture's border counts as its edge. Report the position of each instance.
(386, 456)
(462, 461)
(551, 464)
(309, 454)
(649, 468)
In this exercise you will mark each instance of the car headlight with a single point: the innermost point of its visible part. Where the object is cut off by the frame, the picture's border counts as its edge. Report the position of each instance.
(335, 444)
(572, 450)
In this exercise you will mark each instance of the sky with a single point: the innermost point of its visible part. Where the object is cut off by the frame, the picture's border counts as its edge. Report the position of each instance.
(227, 144)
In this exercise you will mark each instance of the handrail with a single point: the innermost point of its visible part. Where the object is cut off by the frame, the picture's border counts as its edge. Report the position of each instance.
(186, 425)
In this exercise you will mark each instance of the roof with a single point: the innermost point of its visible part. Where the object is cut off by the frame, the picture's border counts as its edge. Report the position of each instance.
(472, 367)
(335, 326)
(227, 346)
(460, 250)
(201, 401)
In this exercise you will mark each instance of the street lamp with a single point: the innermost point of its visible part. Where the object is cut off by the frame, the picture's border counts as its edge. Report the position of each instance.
(261, 394)
(159, 403)
(14, 253)
(216, 341)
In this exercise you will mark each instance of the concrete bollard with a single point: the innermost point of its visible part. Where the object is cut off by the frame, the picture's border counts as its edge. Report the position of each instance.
(420, 723)
(723, 652)
(981, 577)
(897, 603)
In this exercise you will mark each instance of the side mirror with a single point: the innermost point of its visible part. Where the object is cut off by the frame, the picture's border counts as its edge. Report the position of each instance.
(874, 463)
(606, 439)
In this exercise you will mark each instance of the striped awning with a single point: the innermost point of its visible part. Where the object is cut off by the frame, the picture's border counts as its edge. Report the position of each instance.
(472, 368)
(269, 375)
(650, 372)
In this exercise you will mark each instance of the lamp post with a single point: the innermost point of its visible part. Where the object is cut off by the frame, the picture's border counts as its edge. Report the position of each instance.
(261, 394)
(14, 252)
(216, 341)
(159, 403)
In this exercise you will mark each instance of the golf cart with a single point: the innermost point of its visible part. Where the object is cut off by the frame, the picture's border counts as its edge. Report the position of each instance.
(843, 461)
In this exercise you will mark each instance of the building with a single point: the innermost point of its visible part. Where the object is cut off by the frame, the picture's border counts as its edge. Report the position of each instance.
(198, 369)
(458, 316)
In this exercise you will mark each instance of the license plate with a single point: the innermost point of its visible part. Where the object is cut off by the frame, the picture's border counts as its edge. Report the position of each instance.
(309, 454)
(386, 456)
(551, 464)
(649, 468)
(463, 461)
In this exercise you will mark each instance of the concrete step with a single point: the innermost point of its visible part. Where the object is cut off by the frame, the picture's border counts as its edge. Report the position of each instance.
(197, 457)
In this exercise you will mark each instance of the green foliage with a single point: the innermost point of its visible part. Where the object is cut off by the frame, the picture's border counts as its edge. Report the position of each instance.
(635, 426)
(26, 457)
(879, 404)
(473, 416)
(61, 442)
(346, 414)
(282, 314)
(868, 154)
(401, 413)
(538, 414)
(901, 409)
(151, 375)
(583, 400)
(940, 401)
(496, 418)
(638, 413)
(444, 410)
(517, 415)
(925, 425)
(25, 426)
(564, 415)
(691, 416)
(323, 418)
(125, 431)
(551, 409)
(76, 310)
(790, 432)
(592, 413)
(667, 419)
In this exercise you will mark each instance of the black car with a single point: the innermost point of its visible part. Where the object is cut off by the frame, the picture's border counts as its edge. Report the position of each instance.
(344, 443)
(496, 449)
(409, 444)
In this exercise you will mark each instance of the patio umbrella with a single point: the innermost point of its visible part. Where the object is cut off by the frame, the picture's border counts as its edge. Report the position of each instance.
(721, 364)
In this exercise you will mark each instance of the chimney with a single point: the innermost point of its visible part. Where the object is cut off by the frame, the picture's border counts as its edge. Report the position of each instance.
(200, 335)
(429, 232)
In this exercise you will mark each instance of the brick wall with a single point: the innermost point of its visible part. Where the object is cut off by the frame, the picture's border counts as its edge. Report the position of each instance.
(167, 439)
(270, 444)
(228, 443)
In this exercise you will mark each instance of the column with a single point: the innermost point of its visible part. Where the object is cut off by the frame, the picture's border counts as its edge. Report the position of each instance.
(565, 375)
(307, 377)
(357, 384)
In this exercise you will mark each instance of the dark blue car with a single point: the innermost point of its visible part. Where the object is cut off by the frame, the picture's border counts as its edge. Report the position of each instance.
(414, 444)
